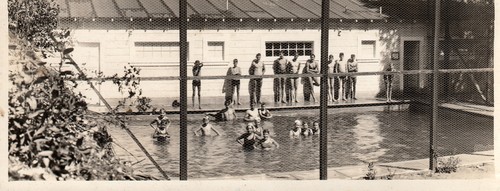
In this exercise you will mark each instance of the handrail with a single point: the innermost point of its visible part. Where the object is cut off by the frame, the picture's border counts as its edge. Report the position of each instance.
(305, 75)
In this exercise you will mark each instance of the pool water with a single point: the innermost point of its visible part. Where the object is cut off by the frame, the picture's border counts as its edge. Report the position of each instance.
(355, 136)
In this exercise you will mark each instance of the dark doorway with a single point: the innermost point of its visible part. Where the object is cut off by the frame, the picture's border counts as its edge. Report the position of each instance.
(411, 61)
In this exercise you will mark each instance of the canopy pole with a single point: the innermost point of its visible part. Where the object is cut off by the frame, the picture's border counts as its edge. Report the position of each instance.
(323, 152)
(435, 93)
(183, 89)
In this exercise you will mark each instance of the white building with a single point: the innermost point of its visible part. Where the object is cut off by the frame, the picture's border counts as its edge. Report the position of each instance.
(113, 33)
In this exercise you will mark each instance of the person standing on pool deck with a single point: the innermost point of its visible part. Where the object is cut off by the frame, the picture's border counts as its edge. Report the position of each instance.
(311, 67)
(352, 66)
(342, 69)
(249, 138)
(293, 67)
(267, 143)
(236, 71)
(197, 82)
(336, 82)
(162, 123)
(206, 128)
(279, 67)
(388, 81)
(331, 68)
(255, 86)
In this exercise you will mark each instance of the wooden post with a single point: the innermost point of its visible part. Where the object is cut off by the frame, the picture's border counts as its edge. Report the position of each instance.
(323, 152)
(435, 93)
(446, 48)
(183, 88)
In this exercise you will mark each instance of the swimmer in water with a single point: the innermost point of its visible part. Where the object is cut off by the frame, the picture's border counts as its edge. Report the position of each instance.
(162, 124)
(306, 131)
(315, 130)
(296, 131)
(252, 114)
(267, 143)
(249, 138)
(264, 113)
(258, 127)
(206, 128)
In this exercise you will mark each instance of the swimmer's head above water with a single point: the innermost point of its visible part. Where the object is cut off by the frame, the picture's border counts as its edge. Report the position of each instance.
(250, 128)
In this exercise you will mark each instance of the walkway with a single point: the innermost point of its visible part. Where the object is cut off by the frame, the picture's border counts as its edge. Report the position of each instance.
(358, 172)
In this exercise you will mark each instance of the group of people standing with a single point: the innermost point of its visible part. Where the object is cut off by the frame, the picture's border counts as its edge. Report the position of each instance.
(285, 88)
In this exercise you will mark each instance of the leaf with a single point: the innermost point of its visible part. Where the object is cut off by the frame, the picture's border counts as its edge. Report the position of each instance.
(45, 153)
(36, 113)
(31, 102)
(39, 131)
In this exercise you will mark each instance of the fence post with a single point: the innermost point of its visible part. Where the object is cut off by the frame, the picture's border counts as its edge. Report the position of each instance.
(323, 155)
(435, 93)
(183, 88)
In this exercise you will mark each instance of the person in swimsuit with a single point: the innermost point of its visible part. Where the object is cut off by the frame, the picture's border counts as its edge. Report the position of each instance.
(264, 113)
(196, 82)
(226, 114)
(267, 143)
(296, 131)
(293, 67)
(162, 124)
(257, 68)
(258, 127)
(352, 66)
(206, 128)
(311, 67)
(248, 139)
(279, 67)
(252, 114)
(235, 83)
(342, 68)
(306, 131)
(388, 82)
(331, 79)
(315, 130)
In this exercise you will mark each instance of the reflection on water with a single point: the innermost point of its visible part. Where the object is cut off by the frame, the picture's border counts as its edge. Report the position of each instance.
(354, 137)
(367, 138)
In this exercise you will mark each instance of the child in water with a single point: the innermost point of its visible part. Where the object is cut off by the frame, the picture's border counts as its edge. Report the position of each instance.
(295, 132)
(306, 131)
(249, 138)
(162, 124)
(206, 128)
(267, 142)
(315, 130)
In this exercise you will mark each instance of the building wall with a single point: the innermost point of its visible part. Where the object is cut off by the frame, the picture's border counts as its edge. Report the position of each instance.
(117, 49)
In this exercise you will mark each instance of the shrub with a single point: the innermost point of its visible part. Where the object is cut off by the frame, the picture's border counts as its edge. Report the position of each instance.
(372, 173)
(448, 165)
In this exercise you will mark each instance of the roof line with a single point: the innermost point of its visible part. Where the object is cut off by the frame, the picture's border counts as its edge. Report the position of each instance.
(67, 7)
(328, 10)
(229, 1)
(117, 8)
(94, 12)
(143, 8)
(355, 12)
(287, 10)
(192, 8)
(264, 10)
(305, 8)
(168, 8)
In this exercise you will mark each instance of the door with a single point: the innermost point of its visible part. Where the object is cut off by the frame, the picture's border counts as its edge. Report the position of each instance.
(87, 56)
(411, 61)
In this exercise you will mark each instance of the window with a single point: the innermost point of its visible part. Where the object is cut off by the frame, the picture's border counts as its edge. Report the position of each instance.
(367, 49)
(215, 51)
(158, 50)
(289, 48)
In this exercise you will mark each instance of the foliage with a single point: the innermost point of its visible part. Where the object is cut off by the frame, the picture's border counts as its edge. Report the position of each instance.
(372, 173)
(51, 134)
(448, 165)
(143, 104)
(33, 21)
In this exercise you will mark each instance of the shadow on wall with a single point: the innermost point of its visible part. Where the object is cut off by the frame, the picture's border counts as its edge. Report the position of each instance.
(390, 42)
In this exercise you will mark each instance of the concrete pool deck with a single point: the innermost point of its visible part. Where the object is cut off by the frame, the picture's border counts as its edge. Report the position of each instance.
(358, 172)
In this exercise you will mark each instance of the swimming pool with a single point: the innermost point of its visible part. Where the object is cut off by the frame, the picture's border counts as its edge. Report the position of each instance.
(355, 136)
